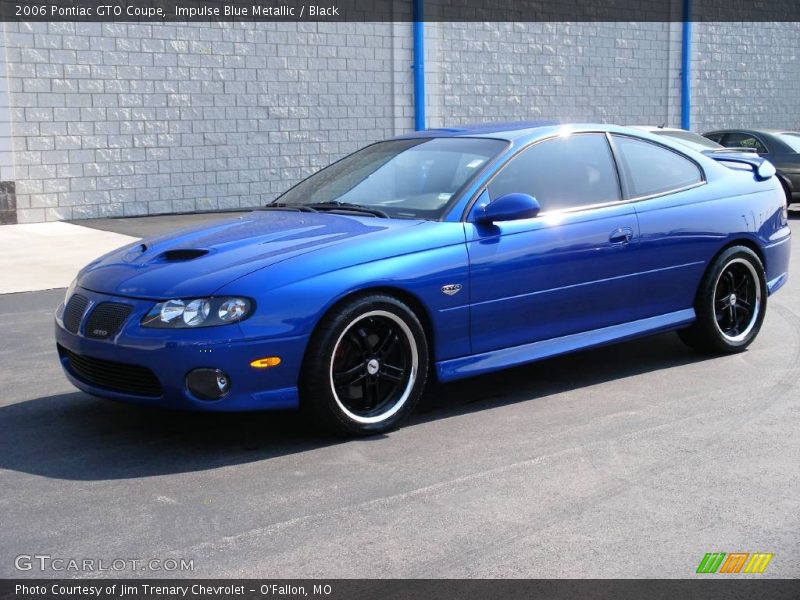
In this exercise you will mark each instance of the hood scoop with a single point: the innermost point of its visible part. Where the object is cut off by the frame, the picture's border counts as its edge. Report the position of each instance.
(181, 254)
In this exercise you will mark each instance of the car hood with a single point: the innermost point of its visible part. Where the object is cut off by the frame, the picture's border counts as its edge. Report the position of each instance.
(199, 261)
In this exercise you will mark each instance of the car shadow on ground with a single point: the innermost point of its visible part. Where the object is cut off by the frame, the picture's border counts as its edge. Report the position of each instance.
(75, 436)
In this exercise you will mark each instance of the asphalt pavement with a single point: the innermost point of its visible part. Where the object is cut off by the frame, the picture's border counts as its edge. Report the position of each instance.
(631, 460)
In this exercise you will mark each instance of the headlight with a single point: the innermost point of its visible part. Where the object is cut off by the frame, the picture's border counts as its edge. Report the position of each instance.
(197, 312)
(70, 290)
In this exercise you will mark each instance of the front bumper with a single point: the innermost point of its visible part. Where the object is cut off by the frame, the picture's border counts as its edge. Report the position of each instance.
(171, 354)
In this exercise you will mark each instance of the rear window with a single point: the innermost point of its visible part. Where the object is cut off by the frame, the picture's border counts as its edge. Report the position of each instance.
(693, 140)
(792, 138)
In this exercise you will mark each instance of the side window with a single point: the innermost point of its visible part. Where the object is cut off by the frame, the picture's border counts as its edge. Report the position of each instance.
(743, 140)
(714, 137)
(651, 169)
(561, 173)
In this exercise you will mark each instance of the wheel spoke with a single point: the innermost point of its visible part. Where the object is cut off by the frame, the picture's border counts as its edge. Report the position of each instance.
(371, 392)
(392, 373)
(742, 286)
(349, 377)
(361, 340)
(730, 281)
(387, 345)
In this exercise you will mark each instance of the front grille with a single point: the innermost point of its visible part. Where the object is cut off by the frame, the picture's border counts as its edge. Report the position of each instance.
(106, 319)
(73, 312)
(112, 376)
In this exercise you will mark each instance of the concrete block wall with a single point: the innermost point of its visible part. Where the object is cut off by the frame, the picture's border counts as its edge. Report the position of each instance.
(625, 73)
(107, 119)
(8, 198)
(112, 119)
(746, 75)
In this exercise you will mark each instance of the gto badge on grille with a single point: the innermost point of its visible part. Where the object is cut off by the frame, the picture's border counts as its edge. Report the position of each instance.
(451, 289)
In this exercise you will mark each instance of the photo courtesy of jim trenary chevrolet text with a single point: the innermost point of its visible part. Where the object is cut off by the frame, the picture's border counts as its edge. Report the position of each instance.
(355, 299)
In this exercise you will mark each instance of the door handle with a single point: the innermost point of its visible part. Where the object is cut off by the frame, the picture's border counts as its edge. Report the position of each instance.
(621, 236)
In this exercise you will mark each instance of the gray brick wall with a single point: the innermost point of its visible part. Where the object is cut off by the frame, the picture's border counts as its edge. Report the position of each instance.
(129, 119)
(746, 75)
(600, 72)
(106, 119)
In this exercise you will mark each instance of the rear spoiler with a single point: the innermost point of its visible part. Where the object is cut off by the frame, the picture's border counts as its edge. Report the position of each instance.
(760, 166)
(745, 150)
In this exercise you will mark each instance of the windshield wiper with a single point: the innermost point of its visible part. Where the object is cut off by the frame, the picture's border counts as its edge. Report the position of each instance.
(348, 207)
(289, 207)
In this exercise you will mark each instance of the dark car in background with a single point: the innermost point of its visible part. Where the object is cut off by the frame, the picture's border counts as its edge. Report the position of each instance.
(781, 147)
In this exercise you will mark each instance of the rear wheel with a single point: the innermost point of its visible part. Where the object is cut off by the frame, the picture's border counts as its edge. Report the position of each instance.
(730, 304)
(366, 366)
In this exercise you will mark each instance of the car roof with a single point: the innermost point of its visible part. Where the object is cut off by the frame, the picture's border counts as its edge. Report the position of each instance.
(504, 130)
(657, 128)
(509, 131)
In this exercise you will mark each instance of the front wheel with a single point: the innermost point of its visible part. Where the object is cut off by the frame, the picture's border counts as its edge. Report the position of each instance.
(366, 366)
(731, 303)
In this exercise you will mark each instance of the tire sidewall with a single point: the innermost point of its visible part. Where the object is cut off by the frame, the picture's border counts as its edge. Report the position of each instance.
(316, 394)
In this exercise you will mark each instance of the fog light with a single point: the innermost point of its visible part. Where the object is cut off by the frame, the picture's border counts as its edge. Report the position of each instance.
(208, 384)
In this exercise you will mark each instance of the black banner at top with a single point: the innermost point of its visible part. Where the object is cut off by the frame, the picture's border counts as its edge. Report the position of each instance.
(400, 10)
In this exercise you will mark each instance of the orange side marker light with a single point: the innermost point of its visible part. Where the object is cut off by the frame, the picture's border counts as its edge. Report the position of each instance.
(266, 362)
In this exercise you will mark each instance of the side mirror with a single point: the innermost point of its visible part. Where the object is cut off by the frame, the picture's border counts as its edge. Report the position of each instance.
(509, 207)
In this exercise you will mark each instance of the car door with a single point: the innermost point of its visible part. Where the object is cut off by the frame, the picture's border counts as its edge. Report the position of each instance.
(666, 188)
(565, 271)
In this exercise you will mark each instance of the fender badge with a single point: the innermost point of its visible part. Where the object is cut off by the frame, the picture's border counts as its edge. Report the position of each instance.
(451, 289)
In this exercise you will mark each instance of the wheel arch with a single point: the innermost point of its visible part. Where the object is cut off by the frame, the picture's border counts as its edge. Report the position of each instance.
(413, 301)
(738, 241)
(747, 243)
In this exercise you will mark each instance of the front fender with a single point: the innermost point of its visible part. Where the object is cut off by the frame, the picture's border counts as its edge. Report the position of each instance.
(294, 309)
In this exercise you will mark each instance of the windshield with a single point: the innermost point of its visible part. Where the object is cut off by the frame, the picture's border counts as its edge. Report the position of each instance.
(792, 138)
(695, 141)
(412, 178)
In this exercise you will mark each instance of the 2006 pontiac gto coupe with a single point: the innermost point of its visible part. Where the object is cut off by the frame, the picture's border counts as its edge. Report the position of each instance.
(443, 253)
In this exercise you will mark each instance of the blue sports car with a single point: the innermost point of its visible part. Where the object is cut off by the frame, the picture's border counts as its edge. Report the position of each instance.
(440, 254)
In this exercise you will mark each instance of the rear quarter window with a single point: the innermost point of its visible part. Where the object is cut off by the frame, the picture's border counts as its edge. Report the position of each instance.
(649, 169)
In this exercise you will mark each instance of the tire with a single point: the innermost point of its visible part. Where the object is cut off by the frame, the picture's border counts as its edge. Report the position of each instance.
(730, 305)
(366, 366)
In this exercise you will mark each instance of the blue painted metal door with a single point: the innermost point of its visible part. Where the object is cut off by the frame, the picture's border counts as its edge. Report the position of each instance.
(551, 276)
